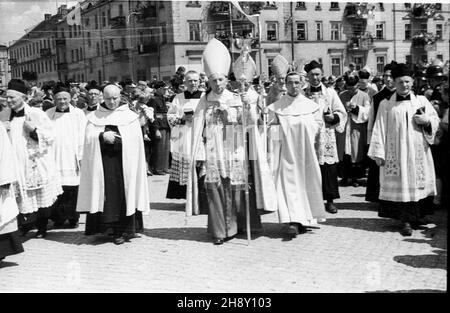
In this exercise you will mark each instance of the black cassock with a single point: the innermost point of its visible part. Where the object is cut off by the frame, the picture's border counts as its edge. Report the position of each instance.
(373, 177)
(113, 216)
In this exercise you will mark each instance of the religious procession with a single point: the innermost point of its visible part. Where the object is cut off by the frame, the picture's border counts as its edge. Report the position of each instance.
(233, 151)
(235, 145)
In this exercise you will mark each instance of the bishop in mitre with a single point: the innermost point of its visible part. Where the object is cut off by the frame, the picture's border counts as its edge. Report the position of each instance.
(219, 150)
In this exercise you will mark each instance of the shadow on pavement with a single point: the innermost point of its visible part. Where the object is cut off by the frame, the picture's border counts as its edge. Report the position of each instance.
(72, 237)
(357, 206)
(167, 206)
(4, 264)
(358, 195)
(437, 238)
(198, 234)
(368, 224)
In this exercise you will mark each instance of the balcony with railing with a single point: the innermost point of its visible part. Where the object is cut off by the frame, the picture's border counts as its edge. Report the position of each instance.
(358, 11)
(422, 39)
(118, 22)
(237, 41)
(360, 43)
(60, 41)
(45, 53)
(423, 11)
(151, 47)
(62, 66)
(121, 54)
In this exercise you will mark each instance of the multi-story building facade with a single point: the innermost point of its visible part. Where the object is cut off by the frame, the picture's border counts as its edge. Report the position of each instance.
(4, 67)
(33, 56)
(119, 39)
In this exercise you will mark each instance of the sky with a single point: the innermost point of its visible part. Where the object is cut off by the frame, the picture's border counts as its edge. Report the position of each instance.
(18, 15)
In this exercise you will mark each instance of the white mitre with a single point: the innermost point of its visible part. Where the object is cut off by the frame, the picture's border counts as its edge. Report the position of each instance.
(216, 58)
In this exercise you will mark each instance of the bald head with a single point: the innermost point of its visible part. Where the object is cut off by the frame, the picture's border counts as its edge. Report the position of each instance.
(111, 95)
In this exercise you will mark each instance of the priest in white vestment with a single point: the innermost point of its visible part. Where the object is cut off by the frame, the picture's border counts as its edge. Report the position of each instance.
(32, 139)
(10, 242)
(298, 179)
(352, 143)
(334, 119)
(180, 118)
(69, 124)
(403, 131)
(113, 183)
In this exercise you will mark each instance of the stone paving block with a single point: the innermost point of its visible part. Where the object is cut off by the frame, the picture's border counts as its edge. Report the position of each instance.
(353, 251)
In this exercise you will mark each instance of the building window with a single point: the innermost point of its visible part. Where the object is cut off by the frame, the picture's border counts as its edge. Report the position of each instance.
(111, 45)
(423, 28)
(123, 42)
(271, 31)
(318, 7)
(105, 47)
(96, 21)
(193, 4)
(408, 59)
(407, 31)
(359, 62)
(77, 56)
(379, 32)
(301, 31)
(270, 5)
(108, 17)
(300, 6)
(334, 6)
(407, 6)
(46, 66)
(70, 31)
(86, 21)
(439, 31)
(81, 54)
(380, 64)
(89, 39)
(438, 6)
(99, 75)
(90, 66)
(163, 33)
(381, 6)
(103, 19)
(440, 57)
(335, 31)
(336, 67)
(120, 10)
(319, 34)
(98, 49)
(72, 56)
(194, 31)
(269, 63)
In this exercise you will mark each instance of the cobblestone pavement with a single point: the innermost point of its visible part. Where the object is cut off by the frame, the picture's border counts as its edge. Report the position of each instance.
(353, 251)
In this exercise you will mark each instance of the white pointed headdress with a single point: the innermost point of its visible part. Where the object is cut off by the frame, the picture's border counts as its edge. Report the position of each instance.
(244, 68)
(216, 58)
(279, 66)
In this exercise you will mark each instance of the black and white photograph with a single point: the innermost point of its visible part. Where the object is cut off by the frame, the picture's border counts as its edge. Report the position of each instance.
(251, 148)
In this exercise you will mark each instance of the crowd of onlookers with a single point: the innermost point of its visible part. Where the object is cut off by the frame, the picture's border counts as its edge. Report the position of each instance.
(430, 81)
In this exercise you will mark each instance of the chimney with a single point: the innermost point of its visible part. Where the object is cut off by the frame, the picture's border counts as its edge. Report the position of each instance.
(62, 10)
(47, 17)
